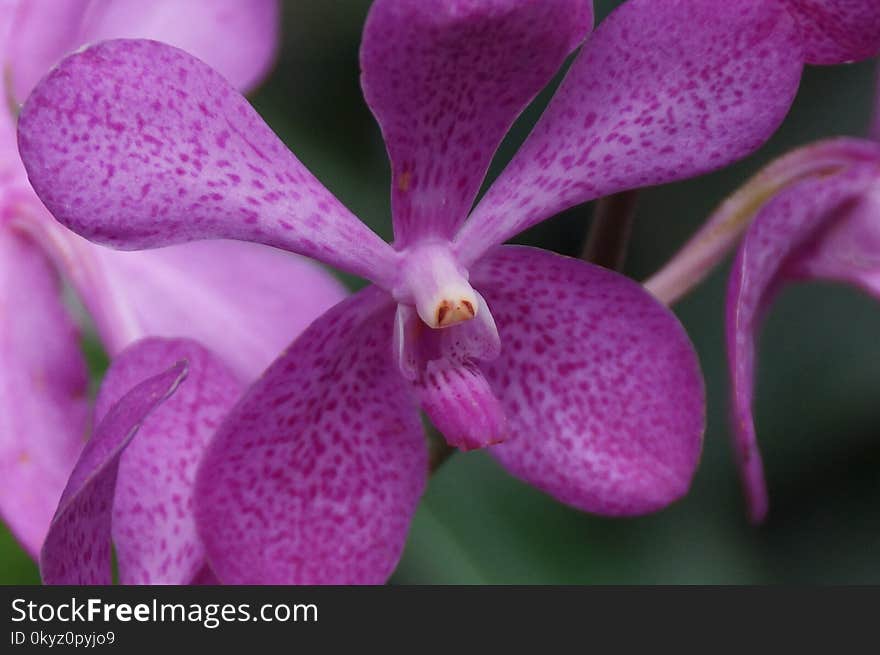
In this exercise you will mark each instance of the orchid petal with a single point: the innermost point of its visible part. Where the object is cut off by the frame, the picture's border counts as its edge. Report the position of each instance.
(12, 173)
(722, 231)
(314, 477)
(237, 38)
(136, 144)
(154, 528)
(13, 177)
(77, 548)
(205, 576)
(838, 31)
(243, 301)
(662, 91)
(780, 245)
(43, 390)
(601, 385)
(446, 79)
(849, 249)
(42, 31)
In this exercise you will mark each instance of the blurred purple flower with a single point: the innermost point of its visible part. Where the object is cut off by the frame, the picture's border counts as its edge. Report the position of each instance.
(141, 488)
(811, 214)
(233, 297)
(824, 227)
(591, 385)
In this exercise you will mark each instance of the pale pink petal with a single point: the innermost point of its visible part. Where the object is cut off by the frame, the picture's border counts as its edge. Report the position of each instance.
(154, 528)
(661, 91)
(136, 144)
(314, 477)
(446, 79)
(12, 173)
(13, 178)
(237, 37)
(601, 385)
(781, 240)
(43, 390)
(837, 31)
(243, 301)
(77, 548)
(42, 32)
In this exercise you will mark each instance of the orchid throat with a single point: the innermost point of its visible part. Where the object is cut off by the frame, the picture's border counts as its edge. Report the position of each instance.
(439, 314)
(437, 286)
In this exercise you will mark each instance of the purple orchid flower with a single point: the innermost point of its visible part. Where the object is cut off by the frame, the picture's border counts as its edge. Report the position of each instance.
(821, 222)
(133, 482)
(821, 228)
(231, 296)
(592, 385)
(813, 214)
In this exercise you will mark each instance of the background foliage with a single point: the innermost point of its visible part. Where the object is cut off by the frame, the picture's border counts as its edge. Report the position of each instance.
(817, 407)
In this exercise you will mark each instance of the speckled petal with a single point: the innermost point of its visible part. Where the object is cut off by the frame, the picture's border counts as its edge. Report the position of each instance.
(154, 529)
(780, 244)
(243, 301)
(445, 80)
(314, 477)
(43, 390)
(235, 37)
(136, 144)
(77, 548)
(461, 404)
(601, 385)
(837, 31)
(661, 91)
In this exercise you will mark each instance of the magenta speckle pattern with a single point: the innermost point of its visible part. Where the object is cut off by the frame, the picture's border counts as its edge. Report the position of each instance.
(837, 31)
(661, 91)
(779, 245)
(600, 383)
(154, 528)
(315, 476)
(459, 401)
(135, 144)
(43, 390)
(77, 548)
(446, 79)
(443, 366)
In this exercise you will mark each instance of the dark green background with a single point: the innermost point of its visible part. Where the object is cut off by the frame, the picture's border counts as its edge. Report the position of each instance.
(817, 404)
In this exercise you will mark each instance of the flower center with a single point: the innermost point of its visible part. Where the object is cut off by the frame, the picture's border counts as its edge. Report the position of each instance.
(434, 282)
